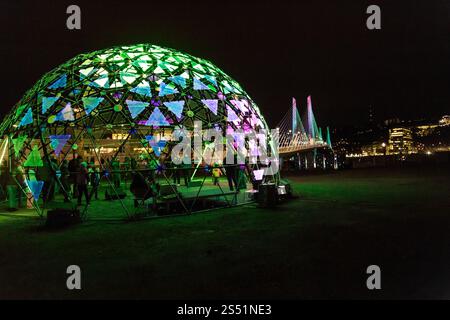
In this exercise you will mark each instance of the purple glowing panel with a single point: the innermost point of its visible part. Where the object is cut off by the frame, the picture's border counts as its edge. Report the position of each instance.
(66, 114)
(211, 104)
(239, 104)
(221, 96)
(57, 142)
(231, 115)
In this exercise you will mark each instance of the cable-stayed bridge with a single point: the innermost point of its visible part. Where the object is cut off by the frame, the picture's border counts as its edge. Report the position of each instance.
(296, 136)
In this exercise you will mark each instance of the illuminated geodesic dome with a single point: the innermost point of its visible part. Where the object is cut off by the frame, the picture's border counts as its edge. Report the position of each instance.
(123, 101)
(137, 91)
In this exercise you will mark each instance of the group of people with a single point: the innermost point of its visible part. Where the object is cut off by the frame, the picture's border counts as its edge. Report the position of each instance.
(77, 175)
(78, 178)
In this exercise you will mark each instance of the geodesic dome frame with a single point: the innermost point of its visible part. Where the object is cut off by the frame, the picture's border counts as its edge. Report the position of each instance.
(133, 94)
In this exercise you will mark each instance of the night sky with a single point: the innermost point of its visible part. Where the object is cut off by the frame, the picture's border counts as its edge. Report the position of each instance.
(274, 49)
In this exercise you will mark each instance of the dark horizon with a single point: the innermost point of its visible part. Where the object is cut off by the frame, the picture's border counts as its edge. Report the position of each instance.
(275, 50)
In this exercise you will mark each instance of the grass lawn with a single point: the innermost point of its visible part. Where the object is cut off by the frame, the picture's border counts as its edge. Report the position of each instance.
(317, 246)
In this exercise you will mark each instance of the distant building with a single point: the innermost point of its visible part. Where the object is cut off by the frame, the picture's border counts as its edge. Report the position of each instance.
(390, 122)
(425, 129)
(395, 137)
(445, 120)
(400, 141)
(376, 148)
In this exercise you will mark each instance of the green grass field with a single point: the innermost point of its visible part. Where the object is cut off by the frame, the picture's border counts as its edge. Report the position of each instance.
(317, 246)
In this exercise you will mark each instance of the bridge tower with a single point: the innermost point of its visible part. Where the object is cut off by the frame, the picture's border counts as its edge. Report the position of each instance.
(302, 148)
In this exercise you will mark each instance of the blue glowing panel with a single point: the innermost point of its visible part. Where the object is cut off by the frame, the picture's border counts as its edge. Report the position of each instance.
(35, 188)
(198, 85)
(143, 89)
(27, 118)
(176, 107)
(157, 119)
(90, 103)
(157, 146)
(211, 79)
(179, 80)
(136, 107)
(58, 142)
(65, 114)
(166, 89)
(47, 102)
(60, 83)
(211, 104)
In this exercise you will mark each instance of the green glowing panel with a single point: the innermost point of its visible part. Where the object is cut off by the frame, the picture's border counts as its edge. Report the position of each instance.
(84, 73)
(34, 158)
(90, 103)
(128, 78)
(227, 88)
(198, 67)
(18, 144)
(19, 110)
(103, 81)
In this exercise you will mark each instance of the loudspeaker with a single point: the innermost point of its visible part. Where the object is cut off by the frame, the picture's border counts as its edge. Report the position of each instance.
(267, 195)
(114, 193)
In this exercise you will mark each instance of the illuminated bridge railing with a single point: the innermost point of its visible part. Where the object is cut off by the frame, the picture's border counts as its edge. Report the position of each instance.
(299, 148)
